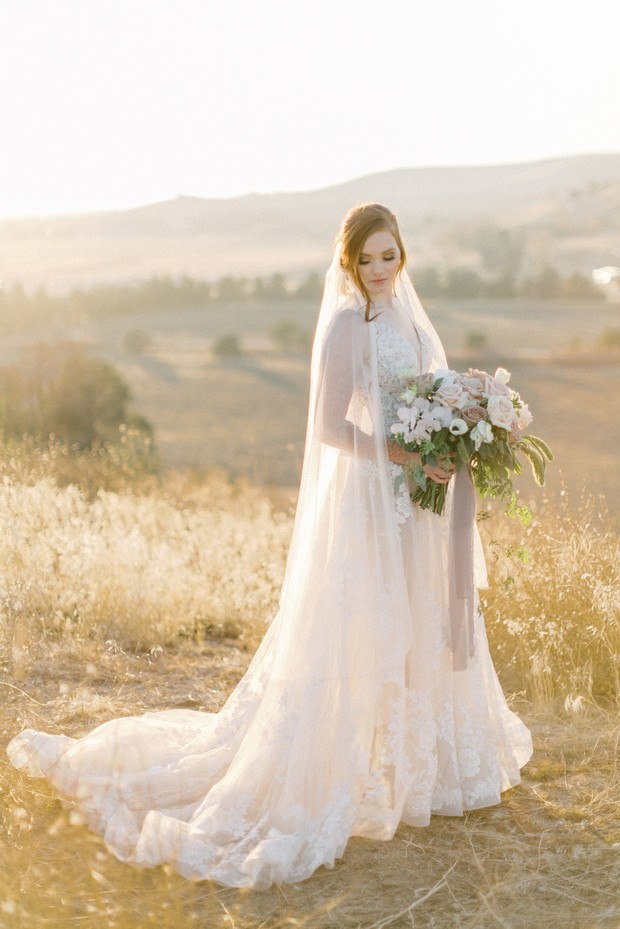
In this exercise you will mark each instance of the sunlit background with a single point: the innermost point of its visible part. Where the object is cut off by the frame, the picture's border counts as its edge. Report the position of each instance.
(173, 174)
(115, 103)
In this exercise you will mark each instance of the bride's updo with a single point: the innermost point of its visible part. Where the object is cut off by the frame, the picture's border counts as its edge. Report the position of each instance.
(360, 222)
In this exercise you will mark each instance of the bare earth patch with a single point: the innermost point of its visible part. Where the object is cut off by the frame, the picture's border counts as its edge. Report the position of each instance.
(548, 857)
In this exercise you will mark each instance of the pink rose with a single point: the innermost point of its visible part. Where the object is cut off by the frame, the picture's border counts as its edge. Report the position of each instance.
(474, 413)
(497, 389)
(501, 412)
(474, 384)
(452, 395)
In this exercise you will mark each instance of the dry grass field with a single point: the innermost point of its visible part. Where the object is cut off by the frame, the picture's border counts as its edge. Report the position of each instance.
(115, 603)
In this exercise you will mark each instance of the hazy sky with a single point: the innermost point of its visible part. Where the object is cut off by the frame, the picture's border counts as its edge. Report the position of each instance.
(116, 103)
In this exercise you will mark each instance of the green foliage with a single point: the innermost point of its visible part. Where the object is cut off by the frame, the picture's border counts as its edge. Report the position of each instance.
(502, 286)
(426, 281)
(136, 341)
(275, 288)
(288, 336)
(311, 287)
(580, 287)
(500, 249)
(546, 284)
(61, 390)
(462, 282)
(232, 288)
(227, 346)
(475, 339)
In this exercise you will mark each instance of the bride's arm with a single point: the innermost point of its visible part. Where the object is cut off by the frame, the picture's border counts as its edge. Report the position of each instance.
(340, 379)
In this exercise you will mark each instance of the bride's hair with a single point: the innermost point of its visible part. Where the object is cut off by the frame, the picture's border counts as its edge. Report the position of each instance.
(360, 222)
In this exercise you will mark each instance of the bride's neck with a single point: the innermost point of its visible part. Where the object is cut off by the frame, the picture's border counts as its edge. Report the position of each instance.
(384, 303)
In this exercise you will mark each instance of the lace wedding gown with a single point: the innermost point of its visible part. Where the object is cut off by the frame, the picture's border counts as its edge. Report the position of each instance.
(349, 720)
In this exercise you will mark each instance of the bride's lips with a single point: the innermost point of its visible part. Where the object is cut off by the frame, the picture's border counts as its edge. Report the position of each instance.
(382, 281)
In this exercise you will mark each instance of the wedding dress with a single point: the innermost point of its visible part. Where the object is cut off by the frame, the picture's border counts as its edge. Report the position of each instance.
(350, 718)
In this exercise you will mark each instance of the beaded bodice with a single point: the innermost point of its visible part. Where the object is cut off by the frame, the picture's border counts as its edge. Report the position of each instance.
(397, 360)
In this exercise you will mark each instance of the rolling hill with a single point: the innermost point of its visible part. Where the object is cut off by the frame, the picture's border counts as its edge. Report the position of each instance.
(566, 210)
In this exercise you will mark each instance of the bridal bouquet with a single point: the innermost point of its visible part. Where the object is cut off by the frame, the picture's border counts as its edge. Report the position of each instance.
(473, 420)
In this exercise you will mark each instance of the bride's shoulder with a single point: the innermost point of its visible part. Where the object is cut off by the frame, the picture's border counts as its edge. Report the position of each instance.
(347, 327)
(348, 318)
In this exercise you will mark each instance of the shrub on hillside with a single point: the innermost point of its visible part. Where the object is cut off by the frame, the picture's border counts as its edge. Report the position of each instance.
(63, 392)
(136, 341)
(290, 336)
(227, 346)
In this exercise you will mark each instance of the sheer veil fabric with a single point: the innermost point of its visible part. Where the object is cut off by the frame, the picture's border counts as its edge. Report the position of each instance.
(350, 718)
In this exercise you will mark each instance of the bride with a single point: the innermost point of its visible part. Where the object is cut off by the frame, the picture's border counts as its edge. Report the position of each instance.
(372, 700)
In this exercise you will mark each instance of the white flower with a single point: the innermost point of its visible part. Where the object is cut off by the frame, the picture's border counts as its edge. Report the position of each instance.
(444, 414)
(433, 424)
(408, 414)
(482, 432)
(501, 412)
(524, 416)
(409, 395)
(421, 404)
(502, 375)
(458, 426)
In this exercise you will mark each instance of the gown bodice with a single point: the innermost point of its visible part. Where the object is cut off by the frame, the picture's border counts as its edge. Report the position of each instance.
(397, 360)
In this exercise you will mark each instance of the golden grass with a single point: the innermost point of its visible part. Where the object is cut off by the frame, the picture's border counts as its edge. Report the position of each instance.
(547, 857)
(553, 609)
(121, 602)
(140, 569)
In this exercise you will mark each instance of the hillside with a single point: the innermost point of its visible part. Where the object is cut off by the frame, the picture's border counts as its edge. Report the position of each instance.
(566, 210)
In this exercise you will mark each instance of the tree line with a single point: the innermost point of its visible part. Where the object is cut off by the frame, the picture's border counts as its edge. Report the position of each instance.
(20, 310)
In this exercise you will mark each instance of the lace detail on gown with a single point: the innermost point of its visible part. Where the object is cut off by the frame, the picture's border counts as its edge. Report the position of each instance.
(397, 359)
(348, 721)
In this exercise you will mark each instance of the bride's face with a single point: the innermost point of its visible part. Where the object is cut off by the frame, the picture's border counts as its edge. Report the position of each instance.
(378, 264)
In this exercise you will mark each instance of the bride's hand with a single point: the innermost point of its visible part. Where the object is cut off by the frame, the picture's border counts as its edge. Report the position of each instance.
(398, 455)
(439, 475)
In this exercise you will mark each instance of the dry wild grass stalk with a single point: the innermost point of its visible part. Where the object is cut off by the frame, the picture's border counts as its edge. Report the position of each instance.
(553, 608)
(164, 566)
(139, 570)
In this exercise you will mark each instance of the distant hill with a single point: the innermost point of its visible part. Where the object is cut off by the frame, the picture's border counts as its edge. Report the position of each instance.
(567, 211)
